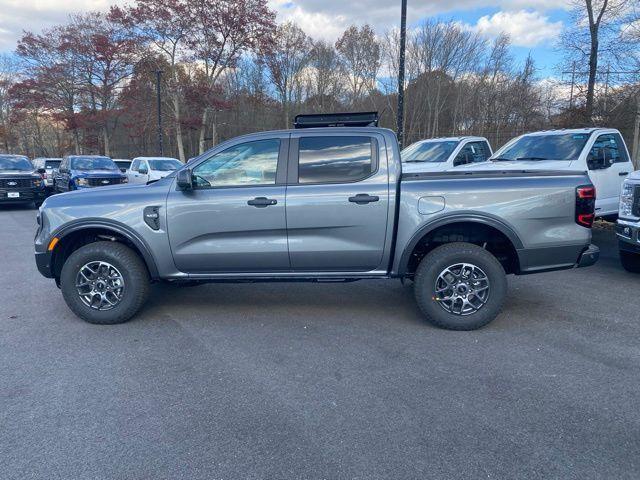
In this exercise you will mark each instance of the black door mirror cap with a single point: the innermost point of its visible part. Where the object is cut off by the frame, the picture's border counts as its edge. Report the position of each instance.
(184, 179)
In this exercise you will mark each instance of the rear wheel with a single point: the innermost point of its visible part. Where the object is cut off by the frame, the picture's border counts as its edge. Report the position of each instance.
(104, 283)
(630, 261)
(460, 286)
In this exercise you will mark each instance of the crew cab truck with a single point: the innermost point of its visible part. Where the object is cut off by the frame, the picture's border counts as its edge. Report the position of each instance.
(599, 151)
(439, 154)
(628, 225)
(316, 204)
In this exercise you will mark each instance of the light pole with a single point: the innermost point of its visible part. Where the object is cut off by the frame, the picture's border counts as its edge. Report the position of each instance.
(158, 76)
(403, 41)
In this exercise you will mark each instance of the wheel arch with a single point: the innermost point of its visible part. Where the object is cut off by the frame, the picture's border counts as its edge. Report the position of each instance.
(78, 233)
(465, 226)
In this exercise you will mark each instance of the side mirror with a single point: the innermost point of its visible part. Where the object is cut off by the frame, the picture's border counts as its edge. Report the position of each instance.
(143, 171)
(184, 179)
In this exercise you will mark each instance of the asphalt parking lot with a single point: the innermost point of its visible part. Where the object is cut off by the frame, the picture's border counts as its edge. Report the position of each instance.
(305, 381)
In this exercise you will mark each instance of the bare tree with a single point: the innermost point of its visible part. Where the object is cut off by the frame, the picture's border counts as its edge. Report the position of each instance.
(585, 42)
(285, 59)
(360, 53)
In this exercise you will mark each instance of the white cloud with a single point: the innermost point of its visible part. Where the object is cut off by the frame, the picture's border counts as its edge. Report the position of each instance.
(525, 28)
(325, 19)
(35, 15)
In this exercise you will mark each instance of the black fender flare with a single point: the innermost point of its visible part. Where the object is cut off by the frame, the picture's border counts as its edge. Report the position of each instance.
(116, 227)
(481, 219)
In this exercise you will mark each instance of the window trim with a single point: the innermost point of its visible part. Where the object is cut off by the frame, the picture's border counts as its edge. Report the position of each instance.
(280, 165)
(294, 158)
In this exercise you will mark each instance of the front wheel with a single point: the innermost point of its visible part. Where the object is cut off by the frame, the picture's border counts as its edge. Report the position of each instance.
(460, 286)
(630, 261)
(104, 283)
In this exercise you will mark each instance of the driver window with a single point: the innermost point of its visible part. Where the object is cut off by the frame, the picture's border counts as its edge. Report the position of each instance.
(609, 146)
(251, 163)
(134, 165)
(464, 156)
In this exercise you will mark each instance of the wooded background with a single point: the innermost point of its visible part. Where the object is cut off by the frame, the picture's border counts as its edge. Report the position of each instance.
(227, 68)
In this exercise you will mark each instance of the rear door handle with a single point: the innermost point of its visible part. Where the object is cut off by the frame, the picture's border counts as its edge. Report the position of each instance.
(262, 202)
(622, 174)
(363, 198)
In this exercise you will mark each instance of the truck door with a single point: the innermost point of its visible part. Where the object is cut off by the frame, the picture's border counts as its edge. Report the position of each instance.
(337, 202)
(233, 220)
(608, 180)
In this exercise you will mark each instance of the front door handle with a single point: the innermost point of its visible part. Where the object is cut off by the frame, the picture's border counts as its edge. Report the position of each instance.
(622, 174)
(363, 198)
(262, 202)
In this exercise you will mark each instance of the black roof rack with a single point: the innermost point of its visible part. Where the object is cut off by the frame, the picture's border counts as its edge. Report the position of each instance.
(358, 119)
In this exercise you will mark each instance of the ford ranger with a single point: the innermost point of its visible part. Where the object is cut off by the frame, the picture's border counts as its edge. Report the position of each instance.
(316, 204)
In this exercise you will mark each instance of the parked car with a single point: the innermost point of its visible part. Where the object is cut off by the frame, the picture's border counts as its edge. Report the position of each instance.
(123, 164)
(599, 151)
(628, 226)
(87, 171)
(20, 181)
(316, 204)
(147, 169)
(50, 166)
(438, 154)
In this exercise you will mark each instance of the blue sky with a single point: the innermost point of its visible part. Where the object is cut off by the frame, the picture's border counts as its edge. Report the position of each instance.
(533, 25)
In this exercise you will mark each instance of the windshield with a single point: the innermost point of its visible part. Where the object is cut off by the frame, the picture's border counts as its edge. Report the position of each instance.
(51, 163)
(429, 151)
(15, 162)
(165, 165)
(545, 147)
(93, 163)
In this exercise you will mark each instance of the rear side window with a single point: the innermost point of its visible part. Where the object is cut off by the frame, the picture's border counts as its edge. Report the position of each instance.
(335, 159)
(52, 163)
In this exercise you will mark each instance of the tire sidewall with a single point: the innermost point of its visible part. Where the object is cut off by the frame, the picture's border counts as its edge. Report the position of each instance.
(129, 270)
(442, 257)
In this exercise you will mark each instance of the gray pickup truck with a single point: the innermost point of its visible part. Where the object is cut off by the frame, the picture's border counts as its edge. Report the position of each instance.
(316, 204)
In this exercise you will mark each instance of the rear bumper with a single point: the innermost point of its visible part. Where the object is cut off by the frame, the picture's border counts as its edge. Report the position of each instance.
(43, 262)
(589, 256)
(557, 258)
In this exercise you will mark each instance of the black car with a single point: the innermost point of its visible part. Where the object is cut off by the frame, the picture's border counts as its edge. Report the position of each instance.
(20, 182)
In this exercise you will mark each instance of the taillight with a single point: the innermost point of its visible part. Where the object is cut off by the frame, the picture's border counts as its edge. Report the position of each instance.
(585, 205)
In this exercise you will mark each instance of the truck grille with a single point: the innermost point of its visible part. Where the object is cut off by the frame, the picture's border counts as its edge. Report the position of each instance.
(16, 183)
(103, 182)
(635, 209)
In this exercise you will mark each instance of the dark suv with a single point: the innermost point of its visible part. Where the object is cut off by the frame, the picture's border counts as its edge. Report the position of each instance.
(20, 182)
(87, 171)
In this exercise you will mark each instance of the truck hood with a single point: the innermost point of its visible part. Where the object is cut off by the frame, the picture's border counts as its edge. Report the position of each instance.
(518, 165)
(18, 173)
(419, 167)
(97, 173)
(635, 176)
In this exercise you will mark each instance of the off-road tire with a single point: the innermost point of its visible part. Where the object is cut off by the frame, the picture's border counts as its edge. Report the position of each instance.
(129, 264)
(436, 262)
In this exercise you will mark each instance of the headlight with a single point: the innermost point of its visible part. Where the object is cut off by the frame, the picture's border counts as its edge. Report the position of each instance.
(83, 182)
(626, 200)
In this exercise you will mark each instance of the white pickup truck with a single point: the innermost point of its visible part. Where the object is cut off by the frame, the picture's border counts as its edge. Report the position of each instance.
(599, 151)
(440, 154)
